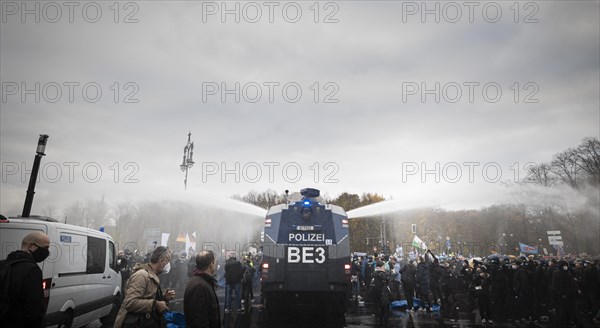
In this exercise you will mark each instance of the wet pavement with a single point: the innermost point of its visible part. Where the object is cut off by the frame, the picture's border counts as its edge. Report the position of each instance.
(358, 315)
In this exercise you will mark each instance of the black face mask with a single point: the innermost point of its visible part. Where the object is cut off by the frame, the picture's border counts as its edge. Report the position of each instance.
(40, 254)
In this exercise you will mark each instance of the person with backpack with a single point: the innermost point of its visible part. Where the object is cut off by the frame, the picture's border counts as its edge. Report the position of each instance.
(247, 282)
(22, 280)
(233, 279)
(381, 293)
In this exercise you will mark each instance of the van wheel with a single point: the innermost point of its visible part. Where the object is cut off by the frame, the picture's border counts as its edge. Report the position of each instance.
(109, 320)
(66, 321)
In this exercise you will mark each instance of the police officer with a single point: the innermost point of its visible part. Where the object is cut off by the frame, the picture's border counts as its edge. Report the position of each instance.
(498, 287)
(524, 288)
(566, 292)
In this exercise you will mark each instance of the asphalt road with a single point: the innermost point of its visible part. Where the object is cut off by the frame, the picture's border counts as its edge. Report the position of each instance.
(357, 316)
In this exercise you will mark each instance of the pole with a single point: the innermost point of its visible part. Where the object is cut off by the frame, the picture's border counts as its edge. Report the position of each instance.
(185, 180)
(41, 147)
(384, 237)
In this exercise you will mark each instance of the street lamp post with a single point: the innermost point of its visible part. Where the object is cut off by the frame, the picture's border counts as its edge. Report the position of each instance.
(188, 162)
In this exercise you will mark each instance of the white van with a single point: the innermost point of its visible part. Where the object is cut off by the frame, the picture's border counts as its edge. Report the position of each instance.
(81, 280)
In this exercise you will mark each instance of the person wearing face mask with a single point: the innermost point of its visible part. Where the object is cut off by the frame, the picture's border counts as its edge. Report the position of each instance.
(27, 305)
(144, 300)
(200, 302)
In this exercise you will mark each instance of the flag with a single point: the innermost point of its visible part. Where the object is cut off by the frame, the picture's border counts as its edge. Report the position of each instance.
(164, 240)
(528, 249)
(418, 243)
(190, 242)
(181, 238)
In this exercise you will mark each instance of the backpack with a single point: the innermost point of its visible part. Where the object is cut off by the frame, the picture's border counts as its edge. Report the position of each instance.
(247, 278)
(5, 268)
(233, 272)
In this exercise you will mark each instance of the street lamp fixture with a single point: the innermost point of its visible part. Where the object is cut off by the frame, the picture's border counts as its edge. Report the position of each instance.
(188, 162)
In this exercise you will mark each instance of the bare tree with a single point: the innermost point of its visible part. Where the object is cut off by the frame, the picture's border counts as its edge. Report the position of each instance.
(76, 213)
(97, 213)
(263, 199)
(123, 215)
(587, 158)
(49, 211)
(565, 166)
(541, 174)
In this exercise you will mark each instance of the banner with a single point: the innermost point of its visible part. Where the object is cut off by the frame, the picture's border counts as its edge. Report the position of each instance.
(560, 251)
(164, 240)
(528, 249)
(418, 243)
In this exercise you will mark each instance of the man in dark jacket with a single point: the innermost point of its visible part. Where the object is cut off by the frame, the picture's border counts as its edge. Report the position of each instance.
(563, 283)
(381, 294)
(247, 280)
(448, 282)
(233, 279)
(435, 277)
(27, 305)
(524, 289)
(408, 277)
(498, 287)
(423, 282)
(482, 290)
(200, 302)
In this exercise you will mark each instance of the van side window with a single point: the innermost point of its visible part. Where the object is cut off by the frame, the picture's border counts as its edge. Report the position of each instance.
(96, 255)
(112, 260)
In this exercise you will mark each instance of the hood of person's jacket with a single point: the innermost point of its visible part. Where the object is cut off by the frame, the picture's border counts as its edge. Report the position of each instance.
(20, 255)
(206, 276)
(381, 274)
(139, 266)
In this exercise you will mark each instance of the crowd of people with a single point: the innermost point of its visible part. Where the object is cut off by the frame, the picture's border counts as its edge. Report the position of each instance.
(195, 278)
(561, 292)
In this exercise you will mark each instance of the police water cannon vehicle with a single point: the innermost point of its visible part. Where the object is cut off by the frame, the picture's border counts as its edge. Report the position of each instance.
(306, 256)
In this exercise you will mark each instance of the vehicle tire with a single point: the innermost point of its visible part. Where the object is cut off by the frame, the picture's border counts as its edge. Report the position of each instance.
(109, 320)
(66, 321)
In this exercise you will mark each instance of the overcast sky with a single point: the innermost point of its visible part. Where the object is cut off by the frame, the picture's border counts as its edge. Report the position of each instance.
(362, 122)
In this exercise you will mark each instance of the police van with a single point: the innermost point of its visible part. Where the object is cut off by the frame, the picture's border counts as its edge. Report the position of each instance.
(81, 281)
